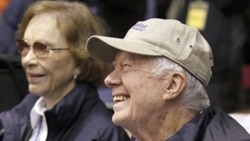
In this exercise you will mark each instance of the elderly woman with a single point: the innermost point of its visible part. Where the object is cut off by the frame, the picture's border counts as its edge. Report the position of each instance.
(63, 103)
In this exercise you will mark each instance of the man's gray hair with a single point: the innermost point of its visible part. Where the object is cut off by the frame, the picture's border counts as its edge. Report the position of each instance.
(194, 96)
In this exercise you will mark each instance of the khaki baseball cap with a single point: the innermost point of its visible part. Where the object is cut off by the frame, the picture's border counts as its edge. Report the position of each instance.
(159, 37)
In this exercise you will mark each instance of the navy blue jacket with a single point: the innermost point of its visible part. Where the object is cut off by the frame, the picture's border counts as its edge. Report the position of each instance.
(211, 125)
(81, 115)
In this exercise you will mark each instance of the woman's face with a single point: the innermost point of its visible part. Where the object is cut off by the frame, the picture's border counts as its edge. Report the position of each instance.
(52, 76)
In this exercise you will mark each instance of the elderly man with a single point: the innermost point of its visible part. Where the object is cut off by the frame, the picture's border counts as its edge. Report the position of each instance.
(161, 69)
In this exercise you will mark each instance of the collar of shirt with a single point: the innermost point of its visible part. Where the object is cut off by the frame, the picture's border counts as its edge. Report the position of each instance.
(36, 114)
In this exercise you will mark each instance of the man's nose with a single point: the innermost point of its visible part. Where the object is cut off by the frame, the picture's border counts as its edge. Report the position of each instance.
(112, 79)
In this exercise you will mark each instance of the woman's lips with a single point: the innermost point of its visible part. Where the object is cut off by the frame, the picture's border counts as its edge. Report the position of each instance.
(34, 78)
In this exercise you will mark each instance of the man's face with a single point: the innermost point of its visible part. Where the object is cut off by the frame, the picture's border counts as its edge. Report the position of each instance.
(137, 94)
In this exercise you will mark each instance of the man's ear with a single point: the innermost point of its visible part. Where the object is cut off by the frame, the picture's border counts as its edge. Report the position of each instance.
(177, 82)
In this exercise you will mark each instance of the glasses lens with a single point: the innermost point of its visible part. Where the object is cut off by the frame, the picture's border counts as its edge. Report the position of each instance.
(40, 49)
(22, 46)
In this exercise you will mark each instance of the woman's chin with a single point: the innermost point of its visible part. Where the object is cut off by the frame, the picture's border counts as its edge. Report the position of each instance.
(35, 91)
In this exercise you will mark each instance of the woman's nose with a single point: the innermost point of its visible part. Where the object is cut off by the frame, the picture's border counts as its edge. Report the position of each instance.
(28, 58)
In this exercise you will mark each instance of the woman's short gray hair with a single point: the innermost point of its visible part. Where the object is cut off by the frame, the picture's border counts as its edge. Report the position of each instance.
(194, 96)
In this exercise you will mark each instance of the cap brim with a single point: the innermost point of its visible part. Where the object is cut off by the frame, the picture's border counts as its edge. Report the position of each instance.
(105, 48)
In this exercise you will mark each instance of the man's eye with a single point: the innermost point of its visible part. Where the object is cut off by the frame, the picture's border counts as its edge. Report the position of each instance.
(127, 67)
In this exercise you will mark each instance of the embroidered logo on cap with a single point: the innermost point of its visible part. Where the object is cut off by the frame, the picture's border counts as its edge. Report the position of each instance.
(139, 26)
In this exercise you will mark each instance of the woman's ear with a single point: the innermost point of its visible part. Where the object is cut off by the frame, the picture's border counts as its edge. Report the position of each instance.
(177, 82)
(77, 70)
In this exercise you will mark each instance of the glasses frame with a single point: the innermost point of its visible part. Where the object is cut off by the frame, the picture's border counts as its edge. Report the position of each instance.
(46, 48)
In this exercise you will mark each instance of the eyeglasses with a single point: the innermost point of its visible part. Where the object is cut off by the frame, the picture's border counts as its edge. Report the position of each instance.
(40, 50)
